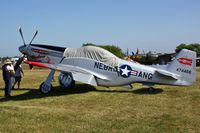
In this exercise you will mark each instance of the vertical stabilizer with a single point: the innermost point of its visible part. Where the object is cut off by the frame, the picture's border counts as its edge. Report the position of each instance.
(184, 65)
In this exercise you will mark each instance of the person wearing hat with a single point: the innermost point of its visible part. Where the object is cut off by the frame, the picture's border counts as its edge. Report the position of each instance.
(8, 72)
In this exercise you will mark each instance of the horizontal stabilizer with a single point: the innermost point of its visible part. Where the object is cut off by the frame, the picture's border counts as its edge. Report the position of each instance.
(167, 74)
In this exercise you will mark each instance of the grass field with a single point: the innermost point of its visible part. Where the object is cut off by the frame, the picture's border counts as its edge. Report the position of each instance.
(98, 109)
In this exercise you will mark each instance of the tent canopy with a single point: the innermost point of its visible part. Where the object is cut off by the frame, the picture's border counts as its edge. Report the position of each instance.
(92, 52)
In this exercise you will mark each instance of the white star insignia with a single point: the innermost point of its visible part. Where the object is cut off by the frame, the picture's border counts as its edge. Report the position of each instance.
(125, 71)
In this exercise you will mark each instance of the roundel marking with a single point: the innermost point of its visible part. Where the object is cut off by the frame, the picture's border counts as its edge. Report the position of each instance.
(125, 71)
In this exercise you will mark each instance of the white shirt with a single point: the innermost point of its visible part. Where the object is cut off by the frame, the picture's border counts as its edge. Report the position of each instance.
(10, 68)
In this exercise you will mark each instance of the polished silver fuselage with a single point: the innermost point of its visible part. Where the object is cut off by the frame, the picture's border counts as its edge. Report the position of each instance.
(93, 72)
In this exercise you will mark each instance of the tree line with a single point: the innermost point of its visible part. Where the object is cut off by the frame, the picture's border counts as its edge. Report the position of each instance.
(119, 53)
(193, 46)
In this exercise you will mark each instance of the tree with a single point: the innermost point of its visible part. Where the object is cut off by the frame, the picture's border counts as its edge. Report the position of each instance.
(88, 44)
(111, 48)
(194, 47)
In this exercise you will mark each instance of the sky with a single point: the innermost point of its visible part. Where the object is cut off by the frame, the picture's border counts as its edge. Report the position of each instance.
(150, 25)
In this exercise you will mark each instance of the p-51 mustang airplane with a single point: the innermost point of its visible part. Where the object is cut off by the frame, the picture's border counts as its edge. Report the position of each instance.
(96, 66)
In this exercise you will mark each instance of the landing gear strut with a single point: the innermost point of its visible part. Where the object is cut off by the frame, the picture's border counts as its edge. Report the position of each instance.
(46, 87)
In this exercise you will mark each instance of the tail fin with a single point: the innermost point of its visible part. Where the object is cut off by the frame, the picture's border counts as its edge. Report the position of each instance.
(184, 65)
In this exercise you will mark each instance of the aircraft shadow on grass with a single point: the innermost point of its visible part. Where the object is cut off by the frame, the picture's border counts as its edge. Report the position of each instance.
(78, 89)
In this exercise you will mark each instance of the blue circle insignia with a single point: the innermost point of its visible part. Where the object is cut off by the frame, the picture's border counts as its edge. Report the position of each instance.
(125, 71)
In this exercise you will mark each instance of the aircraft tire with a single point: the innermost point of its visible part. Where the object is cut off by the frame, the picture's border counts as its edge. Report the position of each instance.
(71, 86)
(66, 81)
(45, 90)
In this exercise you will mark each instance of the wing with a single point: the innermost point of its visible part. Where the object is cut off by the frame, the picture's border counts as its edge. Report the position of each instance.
(78, 73)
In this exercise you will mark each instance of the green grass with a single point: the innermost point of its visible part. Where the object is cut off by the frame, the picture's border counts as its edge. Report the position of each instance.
(98, 109)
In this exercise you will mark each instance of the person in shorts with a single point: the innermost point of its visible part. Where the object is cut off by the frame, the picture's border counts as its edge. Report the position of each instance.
(18, 76)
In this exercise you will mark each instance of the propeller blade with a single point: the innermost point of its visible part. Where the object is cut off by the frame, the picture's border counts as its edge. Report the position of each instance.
(33, 37)
(19, 62)
(20, 31)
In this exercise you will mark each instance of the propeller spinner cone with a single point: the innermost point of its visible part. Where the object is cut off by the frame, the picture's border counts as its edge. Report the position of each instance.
(23, 49)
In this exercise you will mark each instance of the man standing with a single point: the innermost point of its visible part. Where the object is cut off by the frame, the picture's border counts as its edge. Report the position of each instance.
(8, 72)
(18, 76)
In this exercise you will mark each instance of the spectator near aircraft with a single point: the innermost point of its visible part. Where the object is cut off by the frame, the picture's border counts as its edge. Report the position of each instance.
(8, 72)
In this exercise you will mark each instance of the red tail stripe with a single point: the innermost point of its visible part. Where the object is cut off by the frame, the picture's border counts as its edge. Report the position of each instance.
(185, 59)
(185, 63)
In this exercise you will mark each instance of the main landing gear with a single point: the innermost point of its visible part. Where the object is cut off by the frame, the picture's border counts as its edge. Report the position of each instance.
(46, 87)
